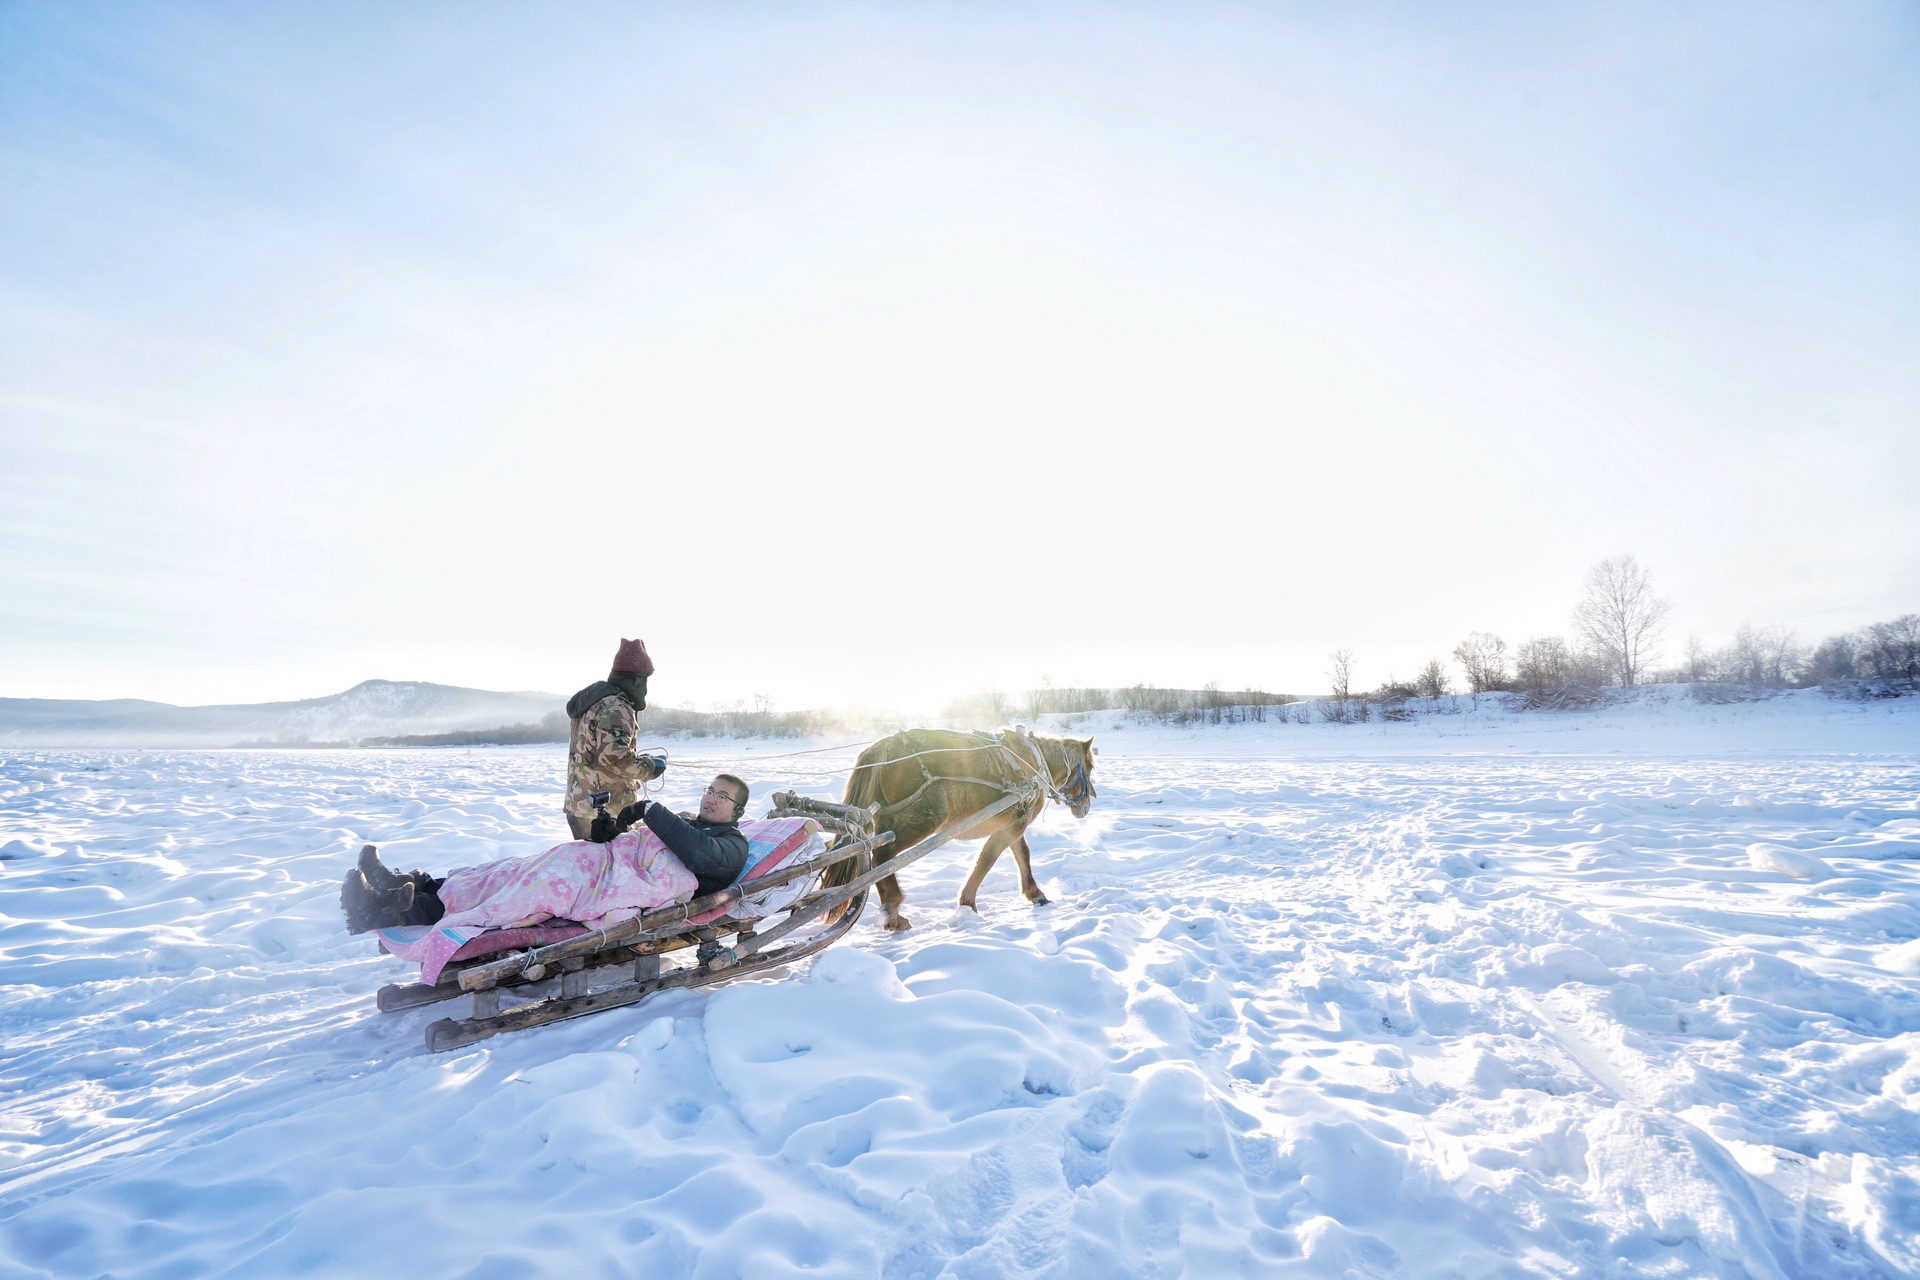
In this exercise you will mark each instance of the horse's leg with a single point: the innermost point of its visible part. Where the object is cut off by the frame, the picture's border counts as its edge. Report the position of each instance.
(989, 854)
(891, 897)
(1023, 859)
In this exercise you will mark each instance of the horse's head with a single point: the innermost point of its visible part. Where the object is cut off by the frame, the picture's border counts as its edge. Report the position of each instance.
(1074, 776)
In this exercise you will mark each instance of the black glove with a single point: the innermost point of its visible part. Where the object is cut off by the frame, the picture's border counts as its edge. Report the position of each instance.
(631, 816)
(604, 828)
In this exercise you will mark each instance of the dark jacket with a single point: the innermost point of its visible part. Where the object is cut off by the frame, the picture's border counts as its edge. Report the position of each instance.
(716, 852)
(632, 688)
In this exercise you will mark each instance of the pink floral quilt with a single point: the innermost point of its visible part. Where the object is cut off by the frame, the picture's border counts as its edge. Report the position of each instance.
(595, 885)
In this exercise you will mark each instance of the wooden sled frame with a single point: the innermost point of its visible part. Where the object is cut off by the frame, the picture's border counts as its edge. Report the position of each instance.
(630, 953)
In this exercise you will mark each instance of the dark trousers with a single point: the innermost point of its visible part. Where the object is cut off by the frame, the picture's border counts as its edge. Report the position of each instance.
(427, 907)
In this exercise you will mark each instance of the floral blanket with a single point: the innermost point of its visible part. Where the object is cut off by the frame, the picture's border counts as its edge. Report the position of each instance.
(595, 885)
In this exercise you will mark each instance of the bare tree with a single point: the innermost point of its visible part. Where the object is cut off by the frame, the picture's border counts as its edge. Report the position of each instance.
(1833, 661)
(1761, 658)
(1341, 673)
(1699, 664)
(1431, 680)
(1543, 665)
(1892, 649)
(1483, 656)
(1336, 709)
(1040, 701)
(1619, 617)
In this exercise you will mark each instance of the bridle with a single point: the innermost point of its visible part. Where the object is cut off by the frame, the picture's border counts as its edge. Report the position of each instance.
(1078, 788)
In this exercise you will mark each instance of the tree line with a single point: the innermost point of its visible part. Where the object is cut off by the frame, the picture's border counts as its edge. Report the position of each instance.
(1207, 705)
(1619, 625)
(1616, 640)
(758, 720)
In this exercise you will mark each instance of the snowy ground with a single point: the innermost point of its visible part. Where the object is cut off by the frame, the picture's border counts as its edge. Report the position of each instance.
(1629, 993)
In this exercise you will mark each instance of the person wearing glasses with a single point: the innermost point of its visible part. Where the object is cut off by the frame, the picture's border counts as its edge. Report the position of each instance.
(709, 843)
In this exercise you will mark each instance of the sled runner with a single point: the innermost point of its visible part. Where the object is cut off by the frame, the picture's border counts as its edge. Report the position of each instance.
(621, 964)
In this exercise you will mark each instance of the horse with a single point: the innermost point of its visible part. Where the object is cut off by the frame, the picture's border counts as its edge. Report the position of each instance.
(925, 779)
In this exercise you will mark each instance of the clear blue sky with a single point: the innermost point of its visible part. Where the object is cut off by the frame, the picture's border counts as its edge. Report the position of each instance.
(879, 352)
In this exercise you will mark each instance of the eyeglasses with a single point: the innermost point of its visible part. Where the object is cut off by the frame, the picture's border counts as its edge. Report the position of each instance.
(723, 794)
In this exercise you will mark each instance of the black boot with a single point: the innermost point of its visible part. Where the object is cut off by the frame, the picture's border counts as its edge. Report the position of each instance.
(361, 905)
(395, 882)
(375, 871)
(369, 908)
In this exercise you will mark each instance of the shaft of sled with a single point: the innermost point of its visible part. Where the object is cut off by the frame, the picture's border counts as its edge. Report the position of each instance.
(860, 884)
(852, 814)
(482, 976)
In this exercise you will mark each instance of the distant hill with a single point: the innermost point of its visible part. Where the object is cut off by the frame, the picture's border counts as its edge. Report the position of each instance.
(371, 709)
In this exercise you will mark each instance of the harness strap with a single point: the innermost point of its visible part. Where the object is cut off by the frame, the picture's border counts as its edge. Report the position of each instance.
(928, 777)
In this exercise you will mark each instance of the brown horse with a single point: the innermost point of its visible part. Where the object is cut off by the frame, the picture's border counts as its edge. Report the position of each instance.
(925, 779)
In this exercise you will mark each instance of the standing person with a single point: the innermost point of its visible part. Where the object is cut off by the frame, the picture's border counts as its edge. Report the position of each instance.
(600, 750)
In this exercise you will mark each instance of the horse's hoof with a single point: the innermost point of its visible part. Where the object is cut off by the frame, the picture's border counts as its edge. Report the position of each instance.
(899, 924)
(1041, 900)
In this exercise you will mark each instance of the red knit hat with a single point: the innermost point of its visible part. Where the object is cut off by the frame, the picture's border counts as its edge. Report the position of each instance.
(632, 660)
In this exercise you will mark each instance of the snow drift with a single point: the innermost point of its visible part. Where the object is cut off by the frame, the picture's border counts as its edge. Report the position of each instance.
(1313, 1001)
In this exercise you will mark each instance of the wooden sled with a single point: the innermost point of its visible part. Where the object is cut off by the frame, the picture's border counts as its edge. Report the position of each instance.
(625, 963)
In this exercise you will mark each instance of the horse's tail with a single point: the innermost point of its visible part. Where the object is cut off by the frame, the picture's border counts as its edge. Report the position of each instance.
(863, 785)
(863, 789)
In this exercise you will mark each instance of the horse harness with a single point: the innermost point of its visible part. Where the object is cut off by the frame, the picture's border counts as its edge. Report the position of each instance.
(1020, 750)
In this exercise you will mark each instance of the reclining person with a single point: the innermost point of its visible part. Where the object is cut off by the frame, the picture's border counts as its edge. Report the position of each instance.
(710, 845)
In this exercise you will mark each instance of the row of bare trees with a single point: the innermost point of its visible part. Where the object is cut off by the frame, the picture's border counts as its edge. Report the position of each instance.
(1208, 705)
(1619, 624)
(1618, 627)
(1880, 659)
(1546, 668)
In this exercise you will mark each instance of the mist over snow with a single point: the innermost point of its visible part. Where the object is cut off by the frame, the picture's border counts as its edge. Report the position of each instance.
(1619, 993)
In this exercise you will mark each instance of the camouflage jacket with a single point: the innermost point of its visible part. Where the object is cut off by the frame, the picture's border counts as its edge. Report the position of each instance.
(600, 755)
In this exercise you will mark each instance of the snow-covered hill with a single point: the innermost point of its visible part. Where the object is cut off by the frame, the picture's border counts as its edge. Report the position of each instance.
(1629, 993)
(372, 708)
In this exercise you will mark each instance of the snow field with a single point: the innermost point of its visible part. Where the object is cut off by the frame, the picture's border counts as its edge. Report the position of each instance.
(1303, 1006)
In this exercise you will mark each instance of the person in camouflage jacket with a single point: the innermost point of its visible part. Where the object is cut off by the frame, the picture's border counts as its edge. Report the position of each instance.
(601, 754)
